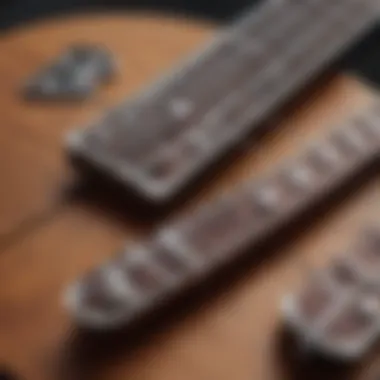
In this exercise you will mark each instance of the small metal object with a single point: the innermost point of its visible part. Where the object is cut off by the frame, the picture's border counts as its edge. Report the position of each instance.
(74, 75)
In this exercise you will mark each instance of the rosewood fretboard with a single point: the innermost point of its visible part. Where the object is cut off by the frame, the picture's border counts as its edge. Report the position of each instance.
(189, 249)
(166, 136)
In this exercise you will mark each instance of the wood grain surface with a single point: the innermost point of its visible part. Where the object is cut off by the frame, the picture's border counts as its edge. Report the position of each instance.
(48, 236)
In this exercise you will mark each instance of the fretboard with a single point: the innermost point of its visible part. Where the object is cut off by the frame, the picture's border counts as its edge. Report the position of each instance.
(163, 139)
(337, 310)
(189, 249)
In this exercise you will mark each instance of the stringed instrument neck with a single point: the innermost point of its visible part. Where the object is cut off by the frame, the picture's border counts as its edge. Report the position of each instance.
(164, 138)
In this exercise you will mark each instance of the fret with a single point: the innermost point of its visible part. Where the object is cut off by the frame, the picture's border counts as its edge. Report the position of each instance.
(213, 235)
(106, 302)
(170, 261)
(170, 239)
(326, 159)
(301, 177)
(351, 143)
(343, 321)
(220, 95)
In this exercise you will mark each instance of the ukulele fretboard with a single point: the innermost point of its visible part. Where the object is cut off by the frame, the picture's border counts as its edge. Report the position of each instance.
(161, 140)
(189, 249)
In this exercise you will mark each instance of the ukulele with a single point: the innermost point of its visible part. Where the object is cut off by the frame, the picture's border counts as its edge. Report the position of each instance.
(50, 237)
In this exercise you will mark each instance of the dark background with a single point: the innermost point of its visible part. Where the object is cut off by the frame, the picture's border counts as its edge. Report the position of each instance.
(16, 11)
(364, 58)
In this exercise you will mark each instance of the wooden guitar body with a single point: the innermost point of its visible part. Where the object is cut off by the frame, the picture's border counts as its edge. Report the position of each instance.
(50, 234)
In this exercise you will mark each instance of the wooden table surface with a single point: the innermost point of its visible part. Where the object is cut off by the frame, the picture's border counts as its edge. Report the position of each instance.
(48, 238)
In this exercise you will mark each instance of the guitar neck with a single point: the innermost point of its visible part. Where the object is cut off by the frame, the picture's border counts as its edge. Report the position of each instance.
(170, 133)
(188, 250)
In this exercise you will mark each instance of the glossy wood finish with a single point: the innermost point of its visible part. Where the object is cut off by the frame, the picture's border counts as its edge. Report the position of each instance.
(48, 238)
